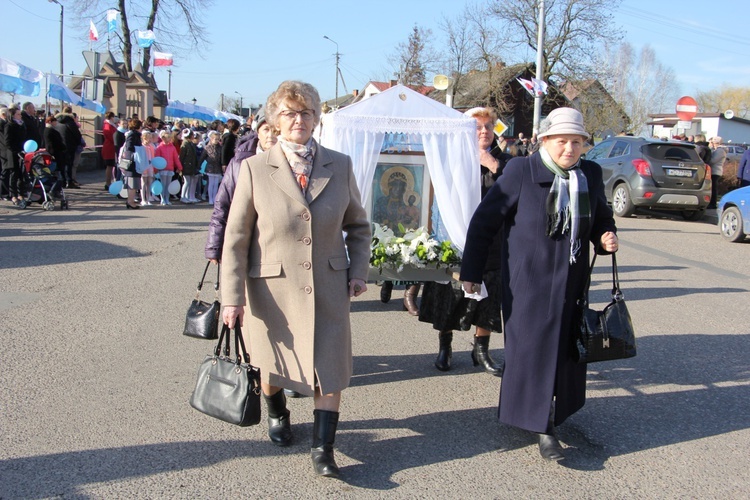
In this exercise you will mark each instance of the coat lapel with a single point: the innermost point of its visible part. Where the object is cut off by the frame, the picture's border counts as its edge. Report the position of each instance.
(320, 174)
(283, 176)
(539, 173)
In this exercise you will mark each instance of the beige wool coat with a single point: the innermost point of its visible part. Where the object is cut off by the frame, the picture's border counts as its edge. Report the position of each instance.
(285, 258)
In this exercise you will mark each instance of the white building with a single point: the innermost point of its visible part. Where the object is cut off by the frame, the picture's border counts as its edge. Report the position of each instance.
(734, 130)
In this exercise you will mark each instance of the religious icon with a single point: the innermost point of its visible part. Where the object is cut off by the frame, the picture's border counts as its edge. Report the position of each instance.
(396, 196)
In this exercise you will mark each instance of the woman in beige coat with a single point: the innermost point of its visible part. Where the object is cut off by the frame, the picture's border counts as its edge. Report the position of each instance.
(298, 242)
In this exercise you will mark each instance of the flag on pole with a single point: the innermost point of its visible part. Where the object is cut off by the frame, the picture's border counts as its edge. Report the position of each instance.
(16, 78)
(112, 20)
(93, 33)
(527, 84)
(540, 86)
(162, 59)
(145, 38)
(60, 91)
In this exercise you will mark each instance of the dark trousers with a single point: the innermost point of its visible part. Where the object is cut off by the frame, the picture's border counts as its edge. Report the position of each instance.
(15, 178)
(714, 188)
(66, 167)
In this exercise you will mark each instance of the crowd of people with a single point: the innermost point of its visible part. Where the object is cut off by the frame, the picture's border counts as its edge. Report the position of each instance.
(293, 238)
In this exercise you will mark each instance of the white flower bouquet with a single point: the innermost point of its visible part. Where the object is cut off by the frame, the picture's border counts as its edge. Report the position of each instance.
(415, 250)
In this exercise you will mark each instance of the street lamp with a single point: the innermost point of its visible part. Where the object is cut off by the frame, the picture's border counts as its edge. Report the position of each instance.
(61, 33)
(194, 101)
(336, 102)
(240, 101)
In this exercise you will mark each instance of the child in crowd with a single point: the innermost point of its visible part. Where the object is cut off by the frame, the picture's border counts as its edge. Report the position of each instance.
(168, 151)
(189, 160)
(147, 177)
(212, 156)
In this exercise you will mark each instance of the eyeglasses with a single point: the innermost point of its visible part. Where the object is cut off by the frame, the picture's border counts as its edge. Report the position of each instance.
(291, 114)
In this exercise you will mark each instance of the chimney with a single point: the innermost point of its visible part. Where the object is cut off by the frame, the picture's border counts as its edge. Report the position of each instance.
(355, 92)
(394, 83)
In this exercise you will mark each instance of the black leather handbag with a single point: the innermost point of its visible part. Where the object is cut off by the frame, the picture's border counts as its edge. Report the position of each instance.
(603, 335)
(228, 389)
(202, 319)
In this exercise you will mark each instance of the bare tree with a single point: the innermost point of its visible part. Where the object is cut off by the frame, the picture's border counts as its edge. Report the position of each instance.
(639, 83)
(574, 31)
(723, 98)
(177, 24)
(415, 57)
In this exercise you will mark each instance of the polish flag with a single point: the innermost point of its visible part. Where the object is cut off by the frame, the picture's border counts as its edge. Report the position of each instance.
(93, 33)
(162, 59)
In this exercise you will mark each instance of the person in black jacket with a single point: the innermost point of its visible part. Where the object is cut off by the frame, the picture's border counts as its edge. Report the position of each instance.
(33, 125)
(4, 174)
(15, 136)
(444, 305)
(228, 142)
(71, 134)
(54, 143)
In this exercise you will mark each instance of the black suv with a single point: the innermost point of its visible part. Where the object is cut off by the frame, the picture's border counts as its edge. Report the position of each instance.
(650, 173)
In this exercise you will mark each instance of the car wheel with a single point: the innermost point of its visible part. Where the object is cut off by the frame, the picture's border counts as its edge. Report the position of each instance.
(693, 215)
(622, 205)
(731, 224)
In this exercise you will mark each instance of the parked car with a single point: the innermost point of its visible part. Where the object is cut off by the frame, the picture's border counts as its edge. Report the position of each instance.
(734, 221)
(734, 152)
(650, 173)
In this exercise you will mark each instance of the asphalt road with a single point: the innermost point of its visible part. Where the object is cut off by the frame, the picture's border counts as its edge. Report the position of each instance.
(96, 375)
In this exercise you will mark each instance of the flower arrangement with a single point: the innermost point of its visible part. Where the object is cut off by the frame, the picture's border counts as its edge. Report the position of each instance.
(415, 249)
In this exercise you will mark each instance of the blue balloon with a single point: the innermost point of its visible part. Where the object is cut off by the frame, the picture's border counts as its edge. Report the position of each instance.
(159, 163)
(156, 188)
(30, 146)
(203, 166)
(115, 188)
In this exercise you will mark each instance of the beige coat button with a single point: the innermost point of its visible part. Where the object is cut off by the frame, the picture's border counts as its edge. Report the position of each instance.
(306, 240)
(308, 289)
(307, 265)
(305, 215)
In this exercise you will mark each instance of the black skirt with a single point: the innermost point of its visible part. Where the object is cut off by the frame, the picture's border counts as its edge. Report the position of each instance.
(447, 309)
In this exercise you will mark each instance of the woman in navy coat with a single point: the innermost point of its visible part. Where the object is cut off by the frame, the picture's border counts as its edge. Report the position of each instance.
(552, 204)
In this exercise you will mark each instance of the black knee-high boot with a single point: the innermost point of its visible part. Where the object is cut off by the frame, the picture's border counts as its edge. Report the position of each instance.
(324, 434)
(443, 360)
(549, 446)
(279, 426)
(481, 356)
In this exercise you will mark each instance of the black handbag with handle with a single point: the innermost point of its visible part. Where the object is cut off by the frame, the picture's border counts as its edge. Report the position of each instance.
(603, 335)
(202, 319)
(228, 389)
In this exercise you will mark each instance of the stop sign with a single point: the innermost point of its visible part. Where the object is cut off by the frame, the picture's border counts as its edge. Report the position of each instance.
(686, 108)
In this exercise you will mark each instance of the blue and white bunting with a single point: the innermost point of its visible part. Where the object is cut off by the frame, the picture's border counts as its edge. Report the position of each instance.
(16, 78)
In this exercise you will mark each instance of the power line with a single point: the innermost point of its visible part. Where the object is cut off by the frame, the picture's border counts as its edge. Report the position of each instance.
(33, 13)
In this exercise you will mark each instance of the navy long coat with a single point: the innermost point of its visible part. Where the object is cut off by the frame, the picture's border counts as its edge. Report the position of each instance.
(540, 289)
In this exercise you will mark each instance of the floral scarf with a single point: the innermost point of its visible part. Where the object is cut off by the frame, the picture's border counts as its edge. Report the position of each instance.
(300, 158)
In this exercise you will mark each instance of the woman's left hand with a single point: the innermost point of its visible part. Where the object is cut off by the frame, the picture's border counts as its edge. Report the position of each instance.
(609, 242)
(357, 287)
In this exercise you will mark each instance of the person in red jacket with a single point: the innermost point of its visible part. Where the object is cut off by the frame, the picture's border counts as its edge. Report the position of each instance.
(108, 147)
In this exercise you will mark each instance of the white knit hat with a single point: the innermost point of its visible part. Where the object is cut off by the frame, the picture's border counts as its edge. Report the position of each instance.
(562, 121)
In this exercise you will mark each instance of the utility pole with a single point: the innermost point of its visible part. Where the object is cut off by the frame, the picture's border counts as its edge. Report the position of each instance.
(222, 101)
(62, 9)
(539, 70)
(169, 85)
(336, 102)
(240, 102)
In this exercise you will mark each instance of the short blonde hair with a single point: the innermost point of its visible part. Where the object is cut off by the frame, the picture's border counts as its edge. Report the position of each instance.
(292, 90)
(482, 113)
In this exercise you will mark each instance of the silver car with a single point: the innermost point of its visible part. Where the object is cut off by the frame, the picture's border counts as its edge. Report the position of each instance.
(734, 153)
(650, 173)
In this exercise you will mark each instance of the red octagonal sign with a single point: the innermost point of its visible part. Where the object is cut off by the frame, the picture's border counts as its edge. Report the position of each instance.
(686, 108)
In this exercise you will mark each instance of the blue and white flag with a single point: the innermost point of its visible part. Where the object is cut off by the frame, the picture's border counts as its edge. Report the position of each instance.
(145, 38)
(112, 20)
(16, 78)
(60, 91)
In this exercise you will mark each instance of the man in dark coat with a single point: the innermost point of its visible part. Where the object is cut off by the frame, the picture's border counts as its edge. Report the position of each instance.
(71, 134)
(32, 124)
(543, 275)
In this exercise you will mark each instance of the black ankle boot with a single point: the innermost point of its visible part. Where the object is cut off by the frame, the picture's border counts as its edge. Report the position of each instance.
(549, 446)
(324, 434)
(279, 426)
(385, 291)
(481, 356)
(443, 360)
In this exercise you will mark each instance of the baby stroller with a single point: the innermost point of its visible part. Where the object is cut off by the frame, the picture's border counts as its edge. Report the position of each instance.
(43, 185)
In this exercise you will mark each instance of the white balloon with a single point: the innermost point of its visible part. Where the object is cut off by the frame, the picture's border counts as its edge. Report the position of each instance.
(124, 192)
(174, 187)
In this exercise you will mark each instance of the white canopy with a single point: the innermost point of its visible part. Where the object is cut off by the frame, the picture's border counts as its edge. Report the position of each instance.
(449, 139)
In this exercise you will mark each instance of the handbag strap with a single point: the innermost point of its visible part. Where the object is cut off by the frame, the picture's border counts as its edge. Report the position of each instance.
(616, 292)
(226, 332)
(216, 283)
(239, 342)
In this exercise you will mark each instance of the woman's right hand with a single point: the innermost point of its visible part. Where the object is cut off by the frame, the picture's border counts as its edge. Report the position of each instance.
(233, 313)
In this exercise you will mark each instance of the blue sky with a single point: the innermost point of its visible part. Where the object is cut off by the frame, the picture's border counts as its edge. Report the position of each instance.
(256, 45)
